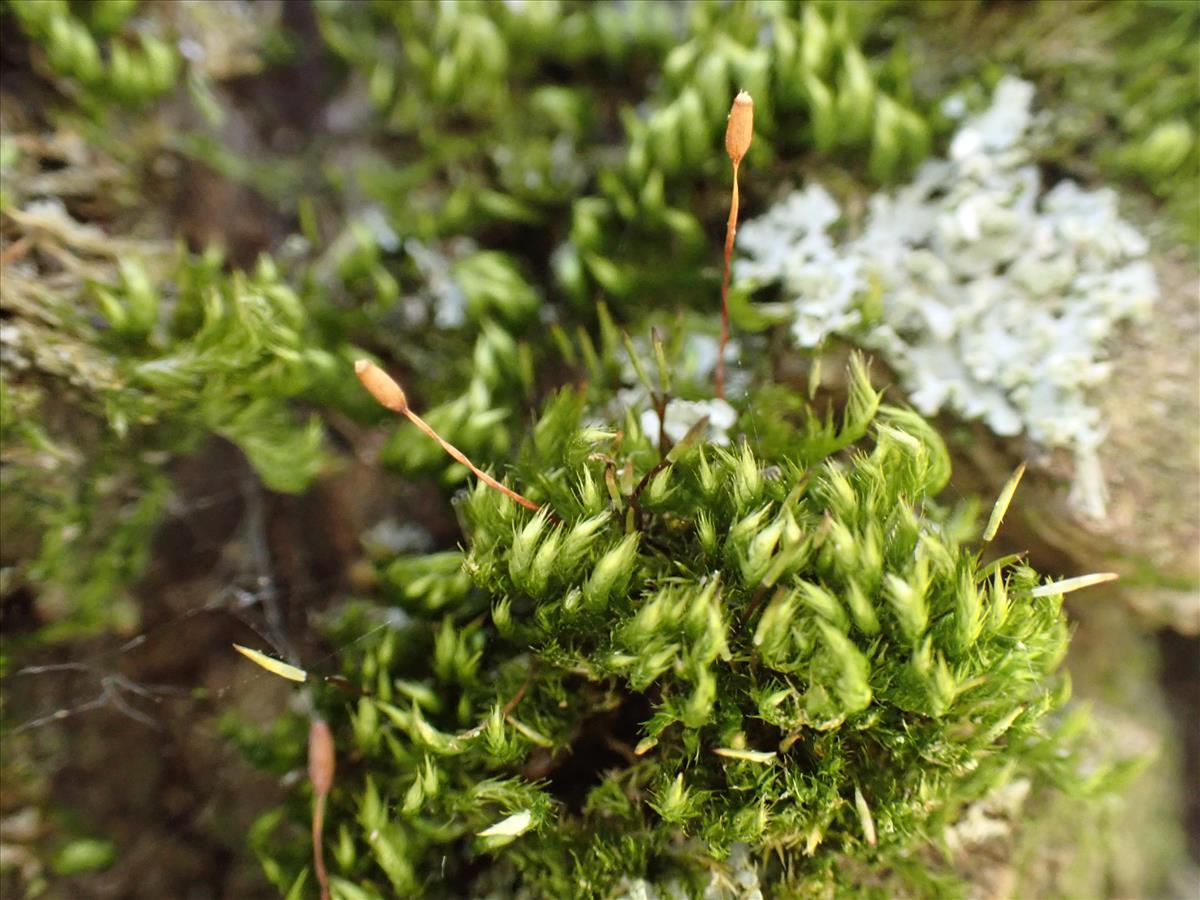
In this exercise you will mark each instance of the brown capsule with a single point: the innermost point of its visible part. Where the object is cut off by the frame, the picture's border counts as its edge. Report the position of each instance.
(740, 130)
(384, 389)
(381, 385)
(321, 765)
(321, 760)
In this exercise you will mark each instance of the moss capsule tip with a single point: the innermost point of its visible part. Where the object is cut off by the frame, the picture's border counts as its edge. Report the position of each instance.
(381, 386)
(740, 130)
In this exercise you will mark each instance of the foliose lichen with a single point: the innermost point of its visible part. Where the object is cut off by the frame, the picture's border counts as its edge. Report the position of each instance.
(987, 292)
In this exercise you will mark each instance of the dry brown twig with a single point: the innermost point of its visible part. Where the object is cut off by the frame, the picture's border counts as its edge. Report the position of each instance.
(738, 134)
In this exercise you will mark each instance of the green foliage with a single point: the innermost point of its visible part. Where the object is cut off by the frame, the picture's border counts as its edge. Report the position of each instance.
(1152, 92)
(684, 653)
(96, 54)
(776, 643)
(501, 140)
(93, 409)
(590, 133)
(225, 361)
(84, 855)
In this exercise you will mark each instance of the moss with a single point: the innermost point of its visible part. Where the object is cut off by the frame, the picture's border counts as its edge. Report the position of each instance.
(690, 651)
(797, 599)
(99, 56)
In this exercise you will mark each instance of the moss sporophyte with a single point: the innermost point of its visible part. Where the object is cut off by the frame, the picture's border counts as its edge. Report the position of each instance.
(739, 132)
(660, 663)
(781, 647)
(390, 395)
(676, 646)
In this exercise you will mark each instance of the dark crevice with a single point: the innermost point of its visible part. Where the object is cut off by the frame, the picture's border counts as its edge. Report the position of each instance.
(602, 743)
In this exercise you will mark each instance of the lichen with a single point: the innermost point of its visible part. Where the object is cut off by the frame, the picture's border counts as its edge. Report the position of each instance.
(987, 293)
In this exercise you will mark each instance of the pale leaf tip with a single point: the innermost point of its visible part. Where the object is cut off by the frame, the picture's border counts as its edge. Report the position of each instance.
(1068, 585)
(274, 666)
(514, 826)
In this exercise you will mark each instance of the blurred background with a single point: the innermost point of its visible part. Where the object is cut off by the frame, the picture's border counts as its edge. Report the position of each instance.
(209, 208)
